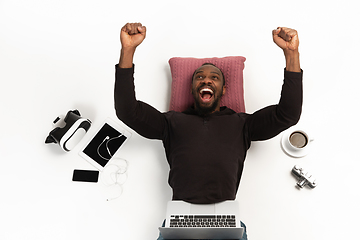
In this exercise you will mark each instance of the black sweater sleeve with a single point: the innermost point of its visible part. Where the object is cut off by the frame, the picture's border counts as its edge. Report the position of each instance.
(270, 121)
(139, 116)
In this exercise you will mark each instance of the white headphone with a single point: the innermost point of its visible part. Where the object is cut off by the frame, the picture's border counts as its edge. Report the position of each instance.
(107, 147)
(118, 173)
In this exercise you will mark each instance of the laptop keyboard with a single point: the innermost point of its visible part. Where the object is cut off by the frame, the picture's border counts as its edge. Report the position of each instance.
(202, 221)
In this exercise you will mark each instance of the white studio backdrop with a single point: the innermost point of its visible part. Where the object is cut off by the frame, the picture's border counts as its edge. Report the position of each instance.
(56, 56)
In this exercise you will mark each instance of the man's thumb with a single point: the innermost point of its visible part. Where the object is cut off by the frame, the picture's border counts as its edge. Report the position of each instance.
(142, 29)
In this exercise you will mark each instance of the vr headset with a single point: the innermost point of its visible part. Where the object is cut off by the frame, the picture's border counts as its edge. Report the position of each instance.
(74, 130)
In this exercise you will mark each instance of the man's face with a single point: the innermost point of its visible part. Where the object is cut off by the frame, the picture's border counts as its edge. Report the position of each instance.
(207, 89)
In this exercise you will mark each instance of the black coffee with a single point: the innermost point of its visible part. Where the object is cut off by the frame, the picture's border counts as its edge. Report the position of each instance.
(298, 139)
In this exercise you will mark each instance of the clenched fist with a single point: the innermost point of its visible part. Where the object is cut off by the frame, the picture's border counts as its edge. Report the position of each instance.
(132, 35)
(286, 38)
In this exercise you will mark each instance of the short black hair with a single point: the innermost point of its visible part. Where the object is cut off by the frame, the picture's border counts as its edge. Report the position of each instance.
(207, 63)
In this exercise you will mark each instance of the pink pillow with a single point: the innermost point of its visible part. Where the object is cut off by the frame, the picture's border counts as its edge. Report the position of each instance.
(182, 70)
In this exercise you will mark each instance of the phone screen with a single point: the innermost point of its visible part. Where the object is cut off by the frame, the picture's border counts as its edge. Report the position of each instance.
(85, 175)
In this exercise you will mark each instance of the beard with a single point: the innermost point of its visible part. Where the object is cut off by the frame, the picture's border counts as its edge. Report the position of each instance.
(204, 111)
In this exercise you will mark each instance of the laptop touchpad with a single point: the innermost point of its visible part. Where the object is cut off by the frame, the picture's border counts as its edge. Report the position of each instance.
(202, 208)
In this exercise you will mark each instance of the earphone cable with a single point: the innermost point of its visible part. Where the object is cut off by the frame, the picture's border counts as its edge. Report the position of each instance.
(121, 172)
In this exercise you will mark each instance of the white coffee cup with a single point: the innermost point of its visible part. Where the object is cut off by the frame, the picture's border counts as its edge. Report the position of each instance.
(298, 140)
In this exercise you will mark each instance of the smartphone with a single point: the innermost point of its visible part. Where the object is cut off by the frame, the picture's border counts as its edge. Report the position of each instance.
(85, 175)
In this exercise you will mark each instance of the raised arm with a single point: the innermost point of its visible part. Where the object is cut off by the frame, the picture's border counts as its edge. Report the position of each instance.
(141, 117)
(270, 121)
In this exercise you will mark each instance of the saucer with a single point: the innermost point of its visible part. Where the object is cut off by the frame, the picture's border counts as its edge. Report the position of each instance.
(291, 152)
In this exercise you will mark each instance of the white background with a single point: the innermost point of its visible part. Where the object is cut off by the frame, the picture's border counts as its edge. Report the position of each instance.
(60, 55)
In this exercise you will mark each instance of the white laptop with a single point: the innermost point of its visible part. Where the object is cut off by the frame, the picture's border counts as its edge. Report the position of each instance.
(202, 221)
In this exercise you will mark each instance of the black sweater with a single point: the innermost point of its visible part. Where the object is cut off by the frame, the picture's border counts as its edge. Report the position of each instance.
(206, 154)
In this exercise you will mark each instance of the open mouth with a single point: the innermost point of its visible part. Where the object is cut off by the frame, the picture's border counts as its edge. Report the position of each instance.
(206, 94)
